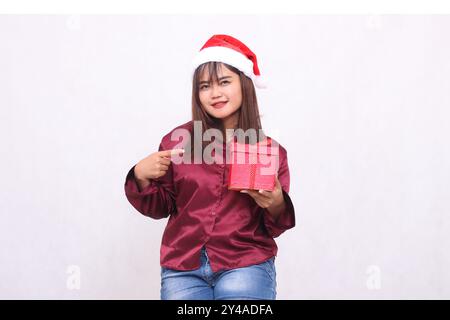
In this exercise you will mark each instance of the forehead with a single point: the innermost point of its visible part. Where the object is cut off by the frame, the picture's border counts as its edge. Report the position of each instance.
(221, 71)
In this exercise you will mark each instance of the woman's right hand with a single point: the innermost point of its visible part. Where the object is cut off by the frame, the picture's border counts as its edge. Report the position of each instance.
(155, 165)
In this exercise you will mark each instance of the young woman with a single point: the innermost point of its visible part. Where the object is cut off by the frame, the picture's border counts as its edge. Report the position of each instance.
(218, 243)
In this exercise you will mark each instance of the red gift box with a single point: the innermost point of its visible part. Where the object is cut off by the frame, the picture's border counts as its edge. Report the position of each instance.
(253, 166)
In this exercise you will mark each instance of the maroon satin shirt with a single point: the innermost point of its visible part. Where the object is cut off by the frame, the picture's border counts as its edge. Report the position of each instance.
(202, 211)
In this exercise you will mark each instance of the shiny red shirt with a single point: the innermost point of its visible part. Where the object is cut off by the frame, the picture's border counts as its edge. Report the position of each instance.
(202, 211)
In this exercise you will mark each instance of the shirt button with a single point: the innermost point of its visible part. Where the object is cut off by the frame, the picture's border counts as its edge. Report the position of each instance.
(213, 213)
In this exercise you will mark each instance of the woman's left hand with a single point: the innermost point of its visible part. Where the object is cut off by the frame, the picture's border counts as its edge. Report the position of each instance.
(270, 200)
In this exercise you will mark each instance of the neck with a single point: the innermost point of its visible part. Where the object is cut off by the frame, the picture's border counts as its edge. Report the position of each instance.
(231, 121)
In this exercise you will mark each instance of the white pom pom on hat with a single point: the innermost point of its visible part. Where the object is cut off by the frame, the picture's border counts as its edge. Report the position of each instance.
(229, 50)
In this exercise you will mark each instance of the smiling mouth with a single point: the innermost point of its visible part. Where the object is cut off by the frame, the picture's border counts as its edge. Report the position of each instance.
(219, 105)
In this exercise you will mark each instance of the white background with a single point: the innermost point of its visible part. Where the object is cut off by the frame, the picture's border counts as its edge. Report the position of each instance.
(361, 103)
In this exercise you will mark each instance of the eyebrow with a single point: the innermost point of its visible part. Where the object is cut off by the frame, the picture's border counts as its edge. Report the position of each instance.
(226, 77)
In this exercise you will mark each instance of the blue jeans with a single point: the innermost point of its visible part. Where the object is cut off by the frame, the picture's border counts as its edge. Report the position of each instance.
(248, 283)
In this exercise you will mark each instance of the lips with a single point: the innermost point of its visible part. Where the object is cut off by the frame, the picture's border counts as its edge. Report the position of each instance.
(219, 104)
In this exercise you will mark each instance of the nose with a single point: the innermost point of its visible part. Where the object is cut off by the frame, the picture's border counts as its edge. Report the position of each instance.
(215, 91)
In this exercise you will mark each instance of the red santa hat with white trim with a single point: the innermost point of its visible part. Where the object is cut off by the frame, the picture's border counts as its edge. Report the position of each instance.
(229, 50)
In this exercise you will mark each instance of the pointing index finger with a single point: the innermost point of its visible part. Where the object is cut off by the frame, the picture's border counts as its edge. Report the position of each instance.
(172, 152)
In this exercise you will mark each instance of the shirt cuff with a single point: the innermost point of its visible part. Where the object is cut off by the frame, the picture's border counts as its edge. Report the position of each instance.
(285, 221)
(132, 189)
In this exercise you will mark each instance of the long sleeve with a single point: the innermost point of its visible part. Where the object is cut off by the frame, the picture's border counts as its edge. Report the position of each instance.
(157, 200)
(286, 220)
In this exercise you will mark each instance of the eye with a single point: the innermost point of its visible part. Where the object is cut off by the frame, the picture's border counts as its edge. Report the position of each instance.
(225, 82)
(202, 87)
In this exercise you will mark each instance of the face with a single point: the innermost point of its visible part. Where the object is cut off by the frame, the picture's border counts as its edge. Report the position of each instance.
(221, 100)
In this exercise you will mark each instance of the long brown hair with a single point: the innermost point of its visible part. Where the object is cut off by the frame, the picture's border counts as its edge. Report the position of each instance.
(249, 117)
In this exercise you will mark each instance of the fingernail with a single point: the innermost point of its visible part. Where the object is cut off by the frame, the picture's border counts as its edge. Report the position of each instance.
(244, 191)
(261, 191)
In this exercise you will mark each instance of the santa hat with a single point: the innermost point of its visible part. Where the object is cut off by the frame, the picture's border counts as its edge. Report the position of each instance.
(229, 50)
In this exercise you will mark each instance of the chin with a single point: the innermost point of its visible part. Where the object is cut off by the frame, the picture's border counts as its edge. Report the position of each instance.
(220, 114)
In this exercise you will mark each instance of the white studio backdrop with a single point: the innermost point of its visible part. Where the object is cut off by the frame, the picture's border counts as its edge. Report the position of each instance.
(361, 103)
